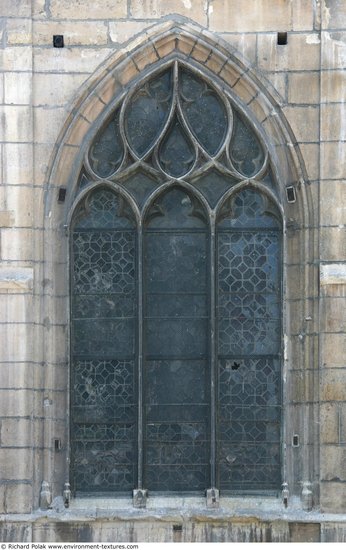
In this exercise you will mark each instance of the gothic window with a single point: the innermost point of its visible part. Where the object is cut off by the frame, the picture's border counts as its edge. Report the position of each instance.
(176, 297)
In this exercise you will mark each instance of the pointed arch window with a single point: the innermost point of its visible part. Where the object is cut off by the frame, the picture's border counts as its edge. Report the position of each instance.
(176, 297)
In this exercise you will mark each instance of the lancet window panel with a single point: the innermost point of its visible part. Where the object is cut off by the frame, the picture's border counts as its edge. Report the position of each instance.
(176, 297)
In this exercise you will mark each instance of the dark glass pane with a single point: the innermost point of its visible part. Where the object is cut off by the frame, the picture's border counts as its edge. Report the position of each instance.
(103, 262)
(249, 293)
(249, 423)
(83, 180)
(107, 150)
(103, 209)
(204, 111)
(147, 112)
(248, 210)
(176, 209)
(177, 260)
(176, 345)
(269, 180)
(103, 399)
(246, 153)
(176, 154)
(103, 429)
(213, 185)
(140, 185)
(249, 346)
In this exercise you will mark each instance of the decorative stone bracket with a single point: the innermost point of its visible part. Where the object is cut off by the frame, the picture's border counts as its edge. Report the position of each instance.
(140, 498)
(213, 498)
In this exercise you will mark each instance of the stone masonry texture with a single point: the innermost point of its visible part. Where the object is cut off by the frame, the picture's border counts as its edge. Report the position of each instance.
(51, 101)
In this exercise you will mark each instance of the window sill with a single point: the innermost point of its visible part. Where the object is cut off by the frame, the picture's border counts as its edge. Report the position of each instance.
(176, 508)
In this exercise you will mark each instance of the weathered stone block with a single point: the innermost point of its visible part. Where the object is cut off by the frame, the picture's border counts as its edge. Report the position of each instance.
(279, 81)
(304, 532)
(18, 307)
(48, 124)
(303, 87)
(302, 15)
(16, 244)
(333, 161)
(333, 383)
(153, 9)
(333, 463)
(333, 125)
(15, 531)
(16, 8)
(19, 201)
(302, 52)
(334, 50)
(304, 122)
(21, 375)
(311, 157)
(43, 154)
(18, 31)
(17, 163)
(121, 31)
(333, 243)
(17, 88)
(333, 350)
(6, 218)
(16, 123)
(18, 499)
(333, 85)
(333, 532)
(263, 15)
(16, 58)
(56, 89)
(333, 497)
(333, 202)
(342, 423)
(2, 99)
(16, 342)
(76, 33)
(333, 314)
(65, 60)
(329, 423)
(334, 14)
(244, 45)
(15, 463)
(16, 432)
(108, 9)
(16, 279)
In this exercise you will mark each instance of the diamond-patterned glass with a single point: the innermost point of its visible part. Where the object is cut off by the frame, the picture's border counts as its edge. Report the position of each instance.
(249, 346)
(103, 400)
(176, 295)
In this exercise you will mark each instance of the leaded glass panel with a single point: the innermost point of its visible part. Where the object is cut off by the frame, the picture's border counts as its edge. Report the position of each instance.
(103, 380)
(176, 345)
(147, 112)
(205, 112)
(107, 150)
(249, 341)
(176, 296)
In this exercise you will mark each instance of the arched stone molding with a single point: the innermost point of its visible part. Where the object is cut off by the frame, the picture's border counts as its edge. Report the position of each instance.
(262, 106)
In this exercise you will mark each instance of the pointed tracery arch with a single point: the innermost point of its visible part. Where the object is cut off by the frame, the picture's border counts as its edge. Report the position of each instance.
(176, 296)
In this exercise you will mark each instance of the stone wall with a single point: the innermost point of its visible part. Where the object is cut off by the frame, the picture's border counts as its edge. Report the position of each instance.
(50, 99)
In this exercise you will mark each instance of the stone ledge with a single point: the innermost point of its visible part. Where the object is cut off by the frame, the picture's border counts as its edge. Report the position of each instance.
(20, 279)
(333, 274)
